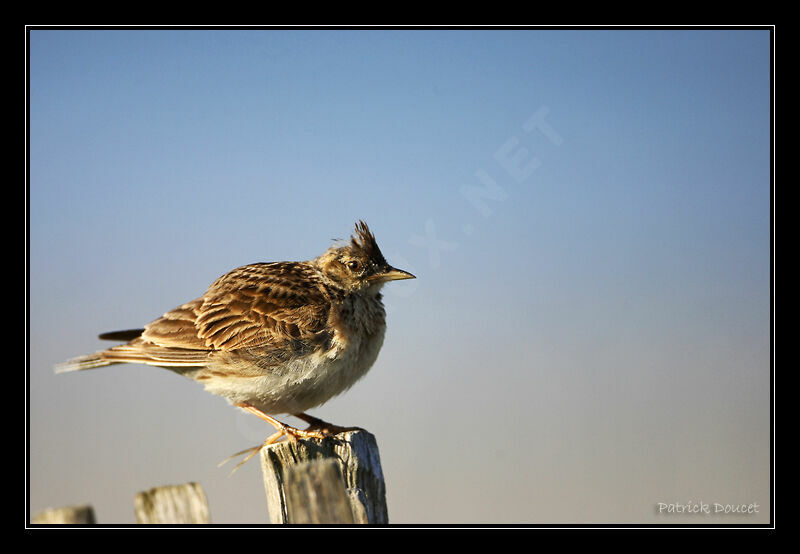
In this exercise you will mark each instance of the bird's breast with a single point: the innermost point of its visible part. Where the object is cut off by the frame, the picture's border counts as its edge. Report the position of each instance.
(359, 326)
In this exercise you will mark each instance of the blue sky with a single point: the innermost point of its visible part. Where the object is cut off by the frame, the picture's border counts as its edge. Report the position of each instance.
(588, 213)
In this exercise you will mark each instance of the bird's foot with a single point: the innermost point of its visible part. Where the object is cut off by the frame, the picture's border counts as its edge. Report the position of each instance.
(327, 429)
(283, 430)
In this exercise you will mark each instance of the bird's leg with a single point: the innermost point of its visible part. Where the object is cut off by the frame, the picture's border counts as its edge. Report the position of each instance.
(316, 424)
(290, 432)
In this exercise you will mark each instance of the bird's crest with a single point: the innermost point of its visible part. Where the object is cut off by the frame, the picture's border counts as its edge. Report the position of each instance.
(365, 241)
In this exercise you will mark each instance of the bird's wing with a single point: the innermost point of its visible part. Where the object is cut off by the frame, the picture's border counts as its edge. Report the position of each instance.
(272, 305)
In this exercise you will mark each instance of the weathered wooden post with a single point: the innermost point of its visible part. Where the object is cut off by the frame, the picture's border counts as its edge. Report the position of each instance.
(314, 493)
(316, 481)
(75, 515)
(176, 504)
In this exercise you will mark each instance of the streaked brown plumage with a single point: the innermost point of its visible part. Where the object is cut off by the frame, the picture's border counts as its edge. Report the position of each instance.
(272, 338)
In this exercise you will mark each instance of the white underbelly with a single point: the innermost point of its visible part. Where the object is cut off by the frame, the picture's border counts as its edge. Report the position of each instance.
(303, 383)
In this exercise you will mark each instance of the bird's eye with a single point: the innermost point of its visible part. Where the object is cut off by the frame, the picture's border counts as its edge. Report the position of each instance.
(353, 265)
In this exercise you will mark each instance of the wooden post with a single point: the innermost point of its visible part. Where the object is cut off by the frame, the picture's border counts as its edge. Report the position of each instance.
(175, 504)
(80, 515)
(302, 492)
(314, 493)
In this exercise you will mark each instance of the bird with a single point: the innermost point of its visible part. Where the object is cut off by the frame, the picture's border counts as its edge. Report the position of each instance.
(272, 337)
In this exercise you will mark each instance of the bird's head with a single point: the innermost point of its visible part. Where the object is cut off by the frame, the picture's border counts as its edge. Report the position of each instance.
(359, 266)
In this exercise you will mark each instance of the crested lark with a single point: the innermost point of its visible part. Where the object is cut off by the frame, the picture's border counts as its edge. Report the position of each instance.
(272, 338)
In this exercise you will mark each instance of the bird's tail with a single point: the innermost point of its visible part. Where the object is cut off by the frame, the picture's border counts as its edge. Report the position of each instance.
(87, 361)
(100, 358)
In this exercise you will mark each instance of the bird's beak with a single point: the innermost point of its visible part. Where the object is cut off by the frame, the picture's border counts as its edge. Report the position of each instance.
(391, 274)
